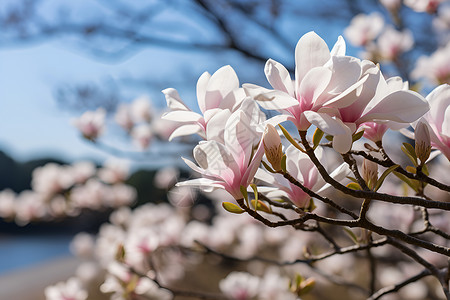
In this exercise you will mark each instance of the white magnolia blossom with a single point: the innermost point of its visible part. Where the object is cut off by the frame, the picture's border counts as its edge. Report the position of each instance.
(141, 110)
(435, 68)
(142, 135)
(437, 119)
(429, 6)
(392, 43)
(218, 95)
(232, 164)
(240, 286)
(72, 289)
(363, 29)
(91, 124)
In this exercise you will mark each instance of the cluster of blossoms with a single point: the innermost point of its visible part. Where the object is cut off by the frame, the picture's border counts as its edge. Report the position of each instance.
(64, 190)
(384, 43)
(338, 94)
(137, 119)
(143, 251)
(310, 189)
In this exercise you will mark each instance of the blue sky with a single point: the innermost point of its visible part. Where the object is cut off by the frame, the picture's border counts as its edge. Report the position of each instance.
(31, 123)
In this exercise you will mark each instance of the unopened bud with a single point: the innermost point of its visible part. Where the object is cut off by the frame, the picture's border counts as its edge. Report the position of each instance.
(423, 143)
(273, 147)
(370, 173)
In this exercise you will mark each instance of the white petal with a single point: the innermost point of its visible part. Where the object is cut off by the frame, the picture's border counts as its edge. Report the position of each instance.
(239, 138)
(173, 99)
(439, 100)
(278, 77)
(339, 47)
(400, 106)
(203, 183)
(215, 127)
(346, 71)
(269, 99)
(326, 123)
(342, 143)
(202, 83)
(445, 130)
(186, 130)
(311, 51)
(182, 116)
(221, 83)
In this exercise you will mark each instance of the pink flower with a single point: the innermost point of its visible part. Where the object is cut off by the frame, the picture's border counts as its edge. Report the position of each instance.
(322, 78)
(435, 68)
(303, 169)
(364, 29)
(375, 100)
(91, 124)
(437, 119)
(229, 165)
(392, 43)
(429, 6)
(240, 286)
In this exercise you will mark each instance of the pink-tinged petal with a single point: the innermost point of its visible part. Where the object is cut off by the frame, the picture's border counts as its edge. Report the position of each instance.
(186, 130)
(221, 83)
(215, 128)
(253, 166)
(311, 51)
(278, 77)
(239, 137)
(400, 106)
(439, 100)
(173, 99)
(202, 83)
(339, 47)
(269, 99)
(312, 86)
(182, 116)
(326, 123)
(214, 158)
(445, 130)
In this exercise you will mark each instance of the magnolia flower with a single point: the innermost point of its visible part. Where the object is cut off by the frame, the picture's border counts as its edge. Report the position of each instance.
(141, 110)
(437, 119)
(422, 142)
(114, 171)
(123, 117)
(435, 68)
(91, 123)
(218, 95)
(429, 6)
(375, 100)
(240, 286)
(392, 43)
(364, 29)
(142, 135)
(229, 165)
(322, 78)
(299, 166)
(71, 289)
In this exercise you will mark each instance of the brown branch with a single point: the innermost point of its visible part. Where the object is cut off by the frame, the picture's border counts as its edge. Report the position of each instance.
(368, 194)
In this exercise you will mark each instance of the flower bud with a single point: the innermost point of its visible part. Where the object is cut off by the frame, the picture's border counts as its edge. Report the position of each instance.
(370, 173)
(423, 143)
(273, 147)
